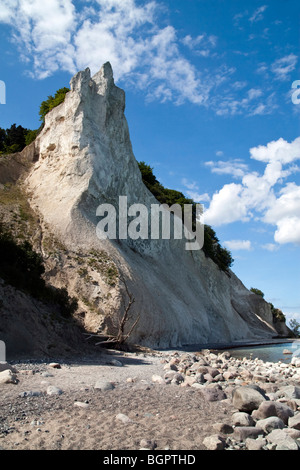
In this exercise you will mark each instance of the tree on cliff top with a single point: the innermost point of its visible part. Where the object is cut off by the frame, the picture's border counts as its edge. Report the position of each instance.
(52, 102)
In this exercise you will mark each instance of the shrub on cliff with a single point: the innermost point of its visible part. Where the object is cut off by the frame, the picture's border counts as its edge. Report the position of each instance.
(257, 291)
(23, 268)
(212, 248)
(52, 102)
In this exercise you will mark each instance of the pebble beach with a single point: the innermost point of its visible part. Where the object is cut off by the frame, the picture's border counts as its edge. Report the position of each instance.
(153, 400)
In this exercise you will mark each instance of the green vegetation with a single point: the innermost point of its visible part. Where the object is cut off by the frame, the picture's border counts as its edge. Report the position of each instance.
(278, 315)
(212, 248)
(16, 138)
(257, 291)
(52, 102)
(23, 268)
(295, 326)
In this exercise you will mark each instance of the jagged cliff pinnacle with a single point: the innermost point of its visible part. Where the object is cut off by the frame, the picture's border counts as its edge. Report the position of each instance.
(85, 159)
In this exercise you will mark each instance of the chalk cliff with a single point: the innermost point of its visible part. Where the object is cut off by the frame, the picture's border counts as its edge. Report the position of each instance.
(84, 158)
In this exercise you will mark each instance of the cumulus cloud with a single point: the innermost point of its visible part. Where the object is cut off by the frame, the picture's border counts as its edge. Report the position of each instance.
(236, 167)
(236, 245)
(258, 196)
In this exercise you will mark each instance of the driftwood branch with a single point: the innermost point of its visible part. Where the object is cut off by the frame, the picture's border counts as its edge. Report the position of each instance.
(120, 337)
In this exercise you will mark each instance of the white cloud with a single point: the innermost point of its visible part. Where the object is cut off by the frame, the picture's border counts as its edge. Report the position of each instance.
(202, 44)
(270, 246)
(238, 245)
(279, 150)
(43, 30)
(57, 35)
(227, 206)
(256, 196)
(288, 230)
(235, 167)
(145, 52)
(284, 66)
(258, 14)
(192, 191)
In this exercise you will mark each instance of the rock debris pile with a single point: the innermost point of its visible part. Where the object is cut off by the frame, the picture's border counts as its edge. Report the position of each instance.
(266, 396)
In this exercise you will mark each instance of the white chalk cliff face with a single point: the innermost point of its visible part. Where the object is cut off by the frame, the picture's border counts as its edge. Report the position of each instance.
(85, 159)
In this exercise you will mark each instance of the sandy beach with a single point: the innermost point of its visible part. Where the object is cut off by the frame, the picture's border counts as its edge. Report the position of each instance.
(129, 401)
(172, 417)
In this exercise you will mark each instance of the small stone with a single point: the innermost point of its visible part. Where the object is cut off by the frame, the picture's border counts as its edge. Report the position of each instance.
(294, 421)
(223, 428)
(255, 444)
(213, 394)
(241, 433)
(30, 393)
(52, 390)
(286, 351)
(104, 385)
(269, 424)
(148, 444)
(116, 363)
(81, 404)
(55, 365)
(158, 379)
(8, 377)
(242, 419)
(214, 442)
(282, 440)
(123, 418)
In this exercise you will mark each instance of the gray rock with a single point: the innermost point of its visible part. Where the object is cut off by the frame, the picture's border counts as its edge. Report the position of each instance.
(223, 428)
(273, 408)
(81, 404)
(255, 444)
(116, 363)
(158, 379)
(294, 421)
(269, 424)
(282, 440)
(214, 442)
(247, 398)
(241, 433)
(55, 365)
(30, 393)
(199, 378)
(52, 390)
(213, 393)
(290, 391)
(148, 444)
(8, 377)
(123, 418)
(104, 385)
(242, 419)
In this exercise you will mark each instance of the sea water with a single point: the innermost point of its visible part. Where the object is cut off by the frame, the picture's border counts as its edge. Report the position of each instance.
(268, 353)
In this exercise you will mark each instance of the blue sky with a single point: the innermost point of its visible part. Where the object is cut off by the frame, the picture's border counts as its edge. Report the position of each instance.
(208, 101)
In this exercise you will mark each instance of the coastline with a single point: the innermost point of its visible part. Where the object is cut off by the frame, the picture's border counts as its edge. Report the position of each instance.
(174, 400)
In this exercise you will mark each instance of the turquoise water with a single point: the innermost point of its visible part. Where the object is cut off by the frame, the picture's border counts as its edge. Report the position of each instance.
(268, 353)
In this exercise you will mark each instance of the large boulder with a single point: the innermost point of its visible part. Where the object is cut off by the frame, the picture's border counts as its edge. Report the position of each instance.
(247, 398)
(273, 408)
